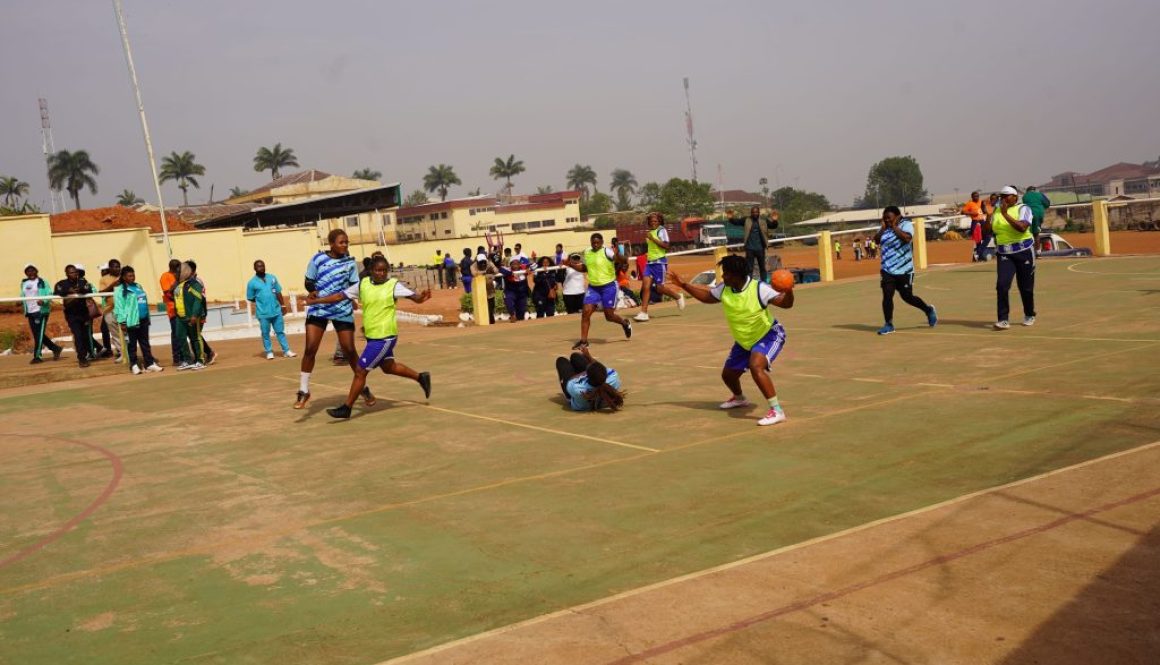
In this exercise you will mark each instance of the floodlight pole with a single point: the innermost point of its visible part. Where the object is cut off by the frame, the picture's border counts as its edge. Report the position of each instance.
(144, 123)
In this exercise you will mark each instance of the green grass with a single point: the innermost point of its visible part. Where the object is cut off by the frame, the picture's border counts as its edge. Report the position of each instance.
(245, 532)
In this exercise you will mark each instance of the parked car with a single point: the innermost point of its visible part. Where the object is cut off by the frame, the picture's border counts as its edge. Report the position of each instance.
(1050, 244)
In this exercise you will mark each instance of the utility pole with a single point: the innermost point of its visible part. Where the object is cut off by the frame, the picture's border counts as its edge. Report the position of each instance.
(689, 126)
(144, 124)
(49, 151)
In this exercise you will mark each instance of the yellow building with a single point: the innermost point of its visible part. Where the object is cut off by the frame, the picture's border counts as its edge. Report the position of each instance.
(474, 216)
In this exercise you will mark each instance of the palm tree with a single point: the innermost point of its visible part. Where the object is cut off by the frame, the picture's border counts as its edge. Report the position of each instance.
(128, 199)
(650, 194)
(70, 171)
(415, 198)
(764, 182)
(441, 178)
(366, 174)
(624, 184)
(237, 191)
(273, 159)
(474, 192)
(579, 177)
(502, 169)
(12, 188)
(544, 189)
(183, 168)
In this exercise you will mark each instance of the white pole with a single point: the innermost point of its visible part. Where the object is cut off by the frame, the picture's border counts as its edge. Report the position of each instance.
(144, 123)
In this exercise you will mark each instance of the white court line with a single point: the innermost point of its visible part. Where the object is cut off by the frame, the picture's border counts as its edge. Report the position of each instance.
(513, 423)
(1072, 267)
(577, 609)
(869, 380)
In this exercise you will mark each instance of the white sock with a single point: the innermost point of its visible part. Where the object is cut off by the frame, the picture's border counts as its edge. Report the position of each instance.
(304, 382)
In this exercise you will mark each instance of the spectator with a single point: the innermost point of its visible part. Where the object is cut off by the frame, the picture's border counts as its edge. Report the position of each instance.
(974, 210)
(189, 300)
(131, 312)
(79, 312)
(465, 269)
(168, 281)
(544, 289)
(838, 249)
(515, 290)
(575, 286)
(437, 266)
(520, 256)
(485, 267)
(211, 356)
(449, 270)
(37, 311)
(265, 291)
(868, 246)
(110, 277)
(559, 254)
(756, 238)
(1039, 204)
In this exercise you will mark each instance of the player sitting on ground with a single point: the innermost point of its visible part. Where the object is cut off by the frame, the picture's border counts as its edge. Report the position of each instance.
(588, 384)
(758, 338)
(377, 296)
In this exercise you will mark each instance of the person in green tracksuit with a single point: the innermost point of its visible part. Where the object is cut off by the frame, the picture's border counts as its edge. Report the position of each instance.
(757, 337)
(189, 300)
(1038, 203)
(377, 296)
(131, 313)
(37, 311)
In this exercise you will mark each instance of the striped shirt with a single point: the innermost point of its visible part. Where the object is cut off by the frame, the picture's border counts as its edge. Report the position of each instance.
(897, 256)
(332, 276)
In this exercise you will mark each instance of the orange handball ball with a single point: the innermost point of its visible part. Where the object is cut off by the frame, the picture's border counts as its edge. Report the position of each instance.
(782, 281)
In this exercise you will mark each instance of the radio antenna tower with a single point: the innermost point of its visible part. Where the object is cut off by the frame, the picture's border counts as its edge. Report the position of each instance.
(49, 150)
(689, 127)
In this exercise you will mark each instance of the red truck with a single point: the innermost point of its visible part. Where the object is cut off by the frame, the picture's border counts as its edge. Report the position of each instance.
(688, 233)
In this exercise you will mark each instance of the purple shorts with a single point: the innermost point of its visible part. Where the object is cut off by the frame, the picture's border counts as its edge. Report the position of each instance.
(769, 346)
(657, 272)
(603, 296)
(377, 352)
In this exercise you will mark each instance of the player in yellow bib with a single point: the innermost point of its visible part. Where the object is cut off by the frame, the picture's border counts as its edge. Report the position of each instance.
(757, 337)
(658, 264)
(377, 296)
(599, 263)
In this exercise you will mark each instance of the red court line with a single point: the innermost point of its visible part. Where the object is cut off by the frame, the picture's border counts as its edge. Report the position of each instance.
(667, 647)
(118, 471)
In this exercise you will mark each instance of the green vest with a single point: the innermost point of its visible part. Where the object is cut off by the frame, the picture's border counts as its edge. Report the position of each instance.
(601, 270)
(655, 251)
(378, 306)
(1005, 234)
(748, 320)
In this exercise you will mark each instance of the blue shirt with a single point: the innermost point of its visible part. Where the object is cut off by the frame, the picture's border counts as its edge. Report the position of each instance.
(897, 256)
(332, 276)
(264, 294)
(577, 386)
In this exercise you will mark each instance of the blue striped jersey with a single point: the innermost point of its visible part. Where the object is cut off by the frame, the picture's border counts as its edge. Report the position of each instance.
(897, 256)
(332, 276)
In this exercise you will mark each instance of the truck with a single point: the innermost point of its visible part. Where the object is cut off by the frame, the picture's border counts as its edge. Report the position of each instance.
(689, 233)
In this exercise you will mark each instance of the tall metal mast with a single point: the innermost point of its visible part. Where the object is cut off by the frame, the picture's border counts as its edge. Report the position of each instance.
(689, 127)
(144, 124)
(49, 150)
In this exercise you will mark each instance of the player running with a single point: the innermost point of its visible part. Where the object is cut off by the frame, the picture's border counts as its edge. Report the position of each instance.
(758, 338)
(657, 266)
(377, 296)
(599, 263)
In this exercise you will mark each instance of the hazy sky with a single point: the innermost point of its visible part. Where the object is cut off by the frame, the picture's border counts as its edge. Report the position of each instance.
(805, 93)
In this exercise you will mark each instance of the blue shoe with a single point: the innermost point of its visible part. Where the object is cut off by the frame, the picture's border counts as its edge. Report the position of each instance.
(931, 317)
(886, 329)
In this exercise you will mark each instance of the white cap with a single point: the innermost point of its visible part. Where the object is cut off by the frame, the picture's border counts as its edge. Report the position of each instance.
(79, 266)
(104, 266)
(481, 257)
(1008, 191)
(28, 265)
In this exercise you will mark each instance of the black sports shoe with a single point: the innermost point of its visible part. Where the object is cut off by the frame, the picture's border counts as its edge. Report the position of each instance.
(580, 345)
(425, 382)
(339, 412)
(36, 361)
(627, 329)
(56, 354)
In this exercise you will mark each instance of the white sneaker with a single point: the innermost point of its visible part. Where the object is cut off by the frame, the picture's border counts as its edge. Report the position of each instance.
(681, 302)
(136, 370)
(1002, 325)
(289, 354)
(155, 368)
(772, 417)
(735, 403)
(197, 366)
(269, 355)
(1029, 321)
(184, 366)
(641, 316)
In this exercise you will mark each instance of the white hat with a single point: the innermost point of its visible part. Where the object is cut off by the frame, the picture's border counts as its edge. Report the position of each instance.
(79, 266)
(481, 257)
(1008, 191)
(103, 266)
(29, 265)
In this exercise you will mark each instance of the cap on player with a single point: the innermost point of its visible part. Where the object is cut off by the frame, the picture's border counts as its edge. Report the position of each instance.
(1008, 191)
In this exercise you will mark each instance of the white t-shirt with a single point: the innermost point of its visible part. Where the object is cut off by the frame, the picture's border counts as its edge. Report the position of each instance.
(574, 282)
(401, 291)
(30, 288)
(765, 292)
